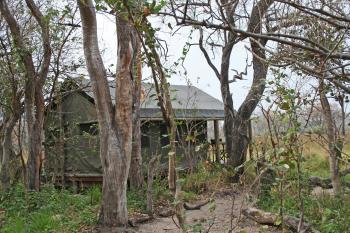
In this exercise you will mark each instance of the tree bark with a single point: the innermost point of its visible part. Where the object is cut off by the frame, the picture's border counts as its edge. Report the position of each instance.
(115, 125)
(34, 118)
(10, 118)
(150, 176)
(135, 173)
(229, 111)
(7, 151)
(331, 136)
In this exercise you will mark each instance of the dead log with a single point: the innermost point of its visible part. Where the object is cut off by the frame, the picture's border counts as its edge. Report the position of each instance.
(268, 218)
(167, 212)
(326, 183)
(133, 222)
(197, 206)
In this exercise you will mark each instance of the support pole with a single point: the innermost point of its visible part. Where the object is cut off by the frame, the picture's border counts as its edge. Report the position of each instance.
(217, 146)
(250, 135)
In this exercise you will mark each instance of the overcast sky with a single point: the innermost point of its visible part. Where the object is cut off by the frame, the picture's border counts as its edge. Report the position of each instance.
(199, 73)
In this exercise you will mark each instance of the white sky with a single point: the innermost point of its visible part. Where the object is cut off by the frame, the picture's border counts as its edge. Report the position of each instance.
(199, 73)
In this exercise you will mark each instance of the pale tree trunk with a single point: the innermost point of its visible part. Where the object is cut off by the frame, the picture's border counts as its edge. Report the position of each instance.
(135, 173)
(172, 154)
(35, 120)
(34, 82)
(11, 116)
(7, 151)
(331, 137)
(115, 125)
(342, 134)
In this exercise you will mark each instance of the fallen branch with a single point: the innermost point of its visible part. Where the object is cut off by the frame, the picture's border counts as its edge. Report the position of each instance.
(268, 218)
(138, 220)
(325, 183)
(197, 206)
(166, 213)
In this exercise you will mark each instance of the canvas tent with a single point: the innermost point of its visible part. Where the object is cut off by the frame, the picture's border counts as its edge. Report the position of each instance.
(72, 133)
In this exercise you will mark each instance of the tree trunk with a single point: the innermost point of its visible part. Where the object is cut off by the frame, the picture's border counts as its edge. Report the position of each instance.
(240, 145)
(227, 99)
(115, 124)
(30, 139)
(135, 173)
(7, 152)
(35, 117)
(150, 176)
(240, 128)
(331, 136)
(34, 82)
(172, 157)
(164, 99)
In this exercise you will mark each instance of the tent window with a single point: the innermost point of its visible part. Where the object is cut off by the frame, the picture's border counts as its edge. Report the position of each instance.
(145, 142)
(89, 128)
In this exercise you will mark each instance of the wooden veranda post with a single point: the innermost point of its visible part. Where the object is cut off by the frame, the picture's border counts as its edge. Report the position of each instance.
(217, 145)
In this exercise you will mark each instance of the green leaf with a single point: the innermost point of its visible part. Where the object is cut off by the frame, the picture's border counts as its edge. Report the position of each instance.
(284, 106)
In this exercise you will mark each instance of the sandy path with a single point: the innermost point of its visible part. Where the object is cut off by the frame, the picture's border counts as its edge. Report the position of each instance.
(220, 218)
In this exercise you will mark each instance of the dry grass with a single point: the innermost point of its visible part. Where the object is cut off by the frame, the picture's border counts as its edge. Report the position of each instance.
(315, 150)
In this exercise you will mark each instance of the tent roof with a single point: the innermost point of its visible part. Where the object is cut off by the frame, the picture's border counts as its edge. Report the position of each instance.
(189, 102)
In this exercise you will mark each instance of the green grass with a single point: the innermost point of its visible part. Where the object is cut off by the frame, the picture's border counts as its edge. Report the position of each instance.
(327, 214)
(49, 210)
(55, 210)
(316, 165)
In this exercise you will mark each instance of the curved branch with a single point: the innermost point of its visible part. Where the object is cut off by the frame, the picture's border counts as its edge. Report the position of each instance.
(45, 35)
(206, 55)
(94, 62)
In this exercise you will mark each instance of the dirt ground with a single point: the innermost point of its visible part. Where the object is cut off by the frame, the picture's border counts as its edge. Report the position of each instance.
(216, 219)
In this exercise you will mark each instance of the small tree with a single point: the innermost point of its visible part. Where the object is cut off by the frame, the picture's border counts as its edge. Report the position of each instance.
(34, 81)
